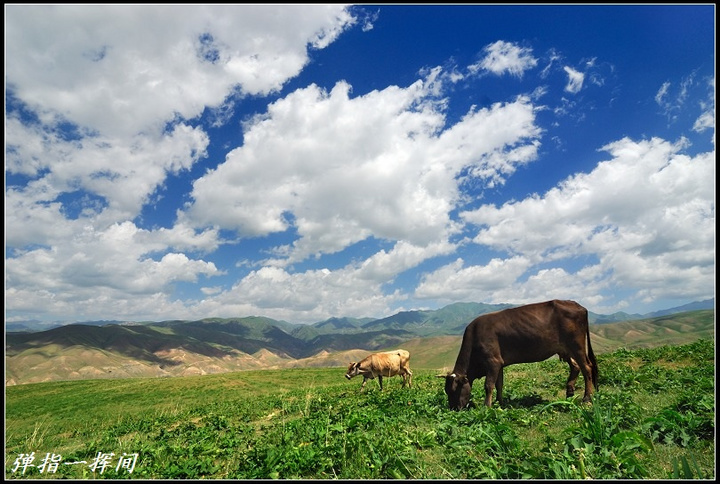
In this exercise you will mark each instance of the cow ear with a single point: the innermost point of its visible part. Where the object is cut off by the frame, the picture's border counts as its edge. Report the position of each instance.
(441, 376)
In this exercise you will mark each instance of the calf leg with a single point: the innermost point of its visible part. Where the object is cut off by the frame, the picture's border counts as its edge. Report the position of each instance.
(363, 383)
(406, 376)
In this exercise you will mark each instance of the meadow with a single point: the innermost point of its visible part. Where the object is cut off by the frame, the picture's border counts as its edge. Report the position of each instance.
(652, 418)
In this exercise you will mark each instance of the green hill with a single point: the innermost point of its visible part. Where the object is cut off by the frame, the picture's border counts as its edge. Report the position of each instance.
(182, 348)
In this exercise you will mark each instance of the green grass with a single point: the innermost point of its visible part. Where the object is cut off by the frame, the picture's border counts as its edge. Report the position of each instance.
(653, 418)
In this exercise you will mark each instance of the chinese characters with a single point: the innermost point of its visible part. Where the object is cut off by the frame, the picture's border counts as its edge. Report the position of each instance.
(51, 462)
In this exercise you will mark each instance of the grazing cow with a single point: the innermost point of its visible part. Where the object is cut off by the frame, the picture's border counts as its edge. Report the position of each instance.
(389, 363)
(523, 334)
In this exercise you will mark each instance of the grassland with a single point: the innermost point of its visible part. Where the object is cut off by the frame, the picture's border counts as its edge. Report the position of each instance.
(653, 417)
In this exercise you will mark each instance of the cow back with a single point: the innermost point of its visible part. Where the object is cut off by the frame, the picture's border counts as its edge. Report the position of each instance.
(388, 363)
(528, 333)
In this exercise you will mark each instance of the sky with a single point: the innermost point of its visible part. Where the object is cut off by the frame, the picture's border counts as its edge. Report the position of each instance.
(302, 162)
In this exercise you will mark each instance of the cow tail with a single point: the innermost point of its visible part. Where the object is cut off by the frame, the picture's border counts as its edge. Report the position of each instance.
(593, 361)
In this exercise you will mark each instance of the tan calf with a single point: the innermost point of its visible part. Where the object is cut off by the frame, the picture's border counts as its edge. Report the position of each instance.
(388, 363)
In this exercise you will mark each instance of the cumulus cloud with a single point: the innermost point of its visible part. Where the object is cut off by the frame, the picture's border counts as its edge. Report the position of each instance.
(456, 282)
(340, 169)
(110, 267)
(641, 218)
(106, 113)
(102, 100)
(505, 57)
(175, 61)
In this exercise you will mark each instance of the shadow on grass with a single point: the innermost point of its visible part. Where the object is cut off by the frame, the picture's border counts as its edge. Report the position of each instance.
(526, 401)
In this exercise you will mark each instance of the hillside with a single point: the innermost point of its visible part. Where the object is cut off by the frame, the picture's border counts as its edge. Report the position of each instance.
(182, 348)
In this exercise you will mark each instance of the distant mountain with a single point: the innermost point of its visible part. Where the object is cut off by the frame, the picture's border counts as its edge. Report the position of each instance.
(339, 325)
(612, 318)
(694, 306)
(215, 345)
(400, 320)
(112, 349)
(450, 319)
(621, 316)
(454, 318)
(671, 329)
(33, 325)
(30, 326)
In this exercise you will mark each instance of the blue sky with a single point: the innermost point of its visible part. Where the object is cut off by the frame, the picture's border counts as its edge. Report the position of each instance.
(308, 161)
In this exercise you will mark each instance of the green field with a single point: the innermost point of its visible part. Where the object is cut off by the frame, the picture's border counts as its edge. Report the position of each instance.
(653, 417)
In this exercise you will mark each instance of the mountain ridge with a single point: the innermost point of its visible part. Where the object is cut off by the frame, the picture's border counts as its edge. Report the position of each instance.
(212, 345)
(468, 310)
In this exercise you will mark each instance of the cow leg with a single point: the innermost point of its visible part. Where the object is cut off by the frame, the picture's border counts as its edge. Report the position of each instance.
(363, 383)
(499, 387)
(409, 377)
(579, 362)
(380, 381)
(586, 369)
(494, 373)
(572, 378)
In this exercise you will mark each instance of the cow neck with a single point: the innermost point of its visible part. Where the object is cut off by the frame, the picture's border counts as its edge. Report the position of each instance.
(462, 364)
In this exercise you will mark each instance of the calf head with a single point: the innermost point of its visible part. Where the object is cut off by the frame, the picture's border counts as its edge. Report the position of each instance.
(353, 370)
(458, 390)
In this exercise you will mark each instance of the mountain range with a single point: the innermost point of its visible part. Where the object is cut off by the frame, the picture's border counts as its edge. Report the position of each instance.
(463, 313)
(111, 349)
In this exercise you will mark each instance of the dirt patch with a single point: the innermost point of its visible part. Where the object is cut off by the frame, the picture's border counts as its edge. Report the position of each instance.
(195, 420)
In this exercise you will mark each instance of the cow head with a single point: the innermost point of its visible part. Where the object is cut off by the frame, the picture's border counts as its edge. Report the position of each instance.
(352, 370)
(458, 390)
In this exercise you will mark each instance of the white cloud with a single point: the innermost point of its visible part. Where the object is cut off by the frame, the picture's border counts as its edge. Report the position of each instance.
(356, 289)
(93, 272)
(105, 98)
(301, 297)
(122, 172)
(455, 282)
(706, 120)
(647, 215)
(575, 80)
(672, 101)
(106, 92)
(124, 70)
(505, 57)
(341, 169)
(661, 95)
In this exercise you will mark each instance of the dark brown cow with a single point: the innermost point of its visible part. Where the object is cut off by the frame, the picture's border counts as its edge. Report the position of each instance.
(523, 334)
(388, 363)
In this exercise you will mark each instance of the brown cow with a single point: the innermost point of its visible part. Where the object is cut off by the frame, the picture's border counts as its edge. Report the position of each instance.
(388, 363)
(523, 334)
